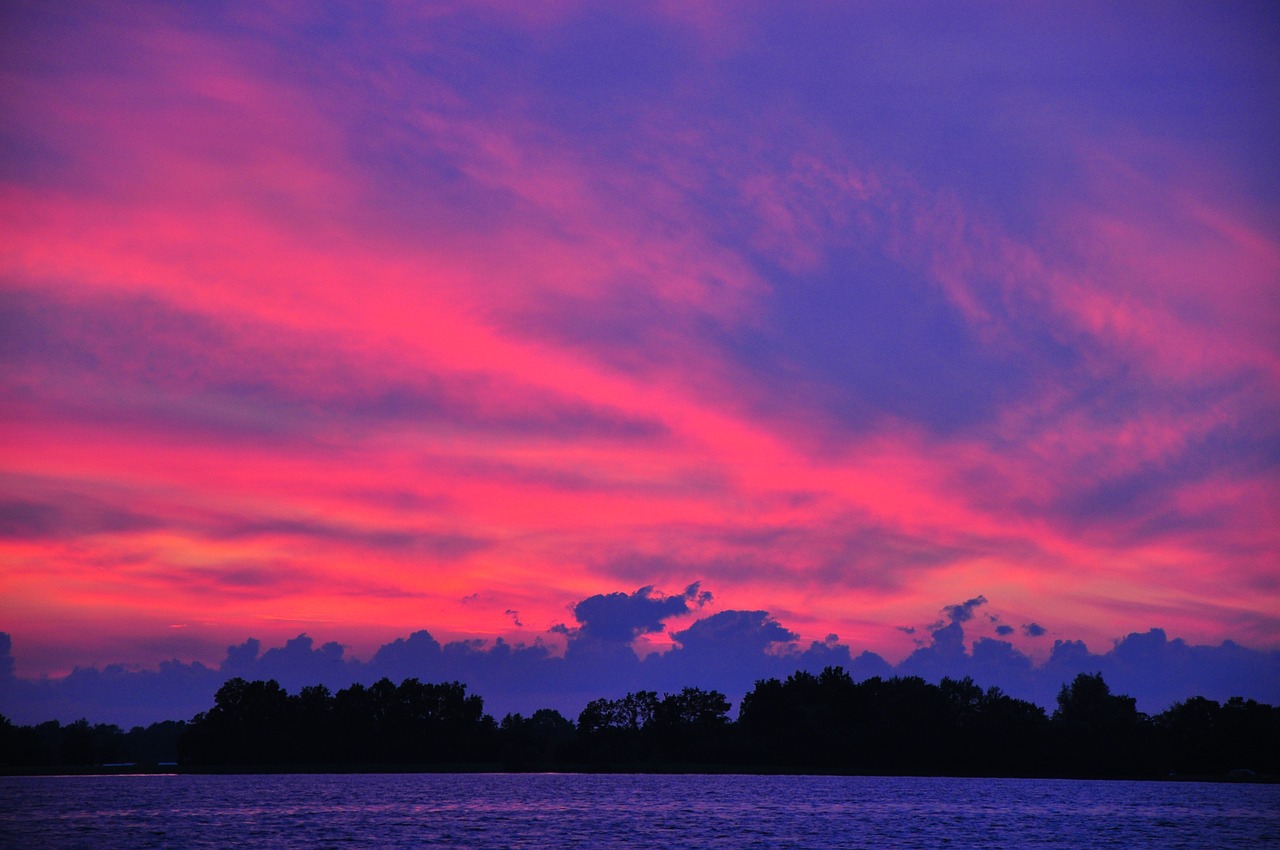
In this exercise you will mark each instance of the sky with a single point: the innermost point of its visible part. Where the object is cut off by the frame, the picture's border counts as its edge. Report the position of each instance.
(570, 347)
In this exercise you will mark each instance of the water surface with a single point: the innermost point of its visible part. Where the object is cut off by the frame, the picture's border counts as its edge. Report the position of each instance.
(614, 811)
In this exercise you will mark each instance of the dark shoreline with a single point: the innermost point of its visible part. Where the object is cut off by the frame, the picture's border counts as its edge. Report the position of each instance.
(582, 769)
(807, 725)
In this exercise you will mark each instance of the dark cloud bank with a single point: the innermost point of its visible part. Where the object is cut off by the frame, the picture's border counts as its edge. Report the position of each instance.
(728, 651)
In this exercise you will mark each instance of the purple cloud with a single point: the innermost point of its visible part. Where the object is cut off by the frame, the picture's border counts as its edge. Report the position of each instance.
(619, 617)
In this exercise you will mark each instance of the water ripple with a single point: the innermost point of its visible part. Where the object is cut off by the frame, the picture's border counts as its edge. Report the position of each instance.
(518, 811)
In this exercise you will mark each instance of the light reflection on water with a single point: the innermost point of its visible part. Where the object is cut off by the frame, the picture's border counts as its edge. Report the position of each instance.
(605, 811)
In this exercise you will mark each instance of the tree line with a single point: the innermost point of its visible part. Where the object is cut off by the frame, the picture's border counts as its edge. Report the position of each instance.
(808, 722)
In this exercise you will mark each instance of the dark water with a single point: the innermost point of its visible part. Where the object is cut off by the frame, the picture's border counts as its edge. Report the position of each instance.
(567, 811)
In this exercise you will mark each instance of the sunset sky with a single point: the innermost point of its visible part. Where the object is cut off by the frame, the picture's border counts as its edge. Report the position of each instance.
(359, 319)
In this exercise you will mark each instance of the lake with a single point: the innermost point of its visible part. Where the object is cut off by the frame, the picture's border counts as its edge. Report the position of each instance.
(608, 811)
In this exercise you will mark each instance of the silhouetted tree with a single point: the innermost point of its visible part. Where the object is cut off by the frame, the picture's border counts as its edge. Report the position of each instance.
(1011, 735)
(1099, 733)
(805, 722)
(612, 731)
(355, 726)
(153, 744)
(1190, 736)
(77, 743)
(7, 734)
(898, 724)
(537, 741)
(312, 725)
(684, 727)
(248, 724)
(691, 726)
(425, 722)
(1250, 735)
(259, 723)
(824, 721)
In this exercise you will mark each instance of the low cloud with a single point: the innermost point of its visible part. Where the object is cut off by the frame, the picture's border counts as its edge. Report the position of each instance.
(729, 650)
